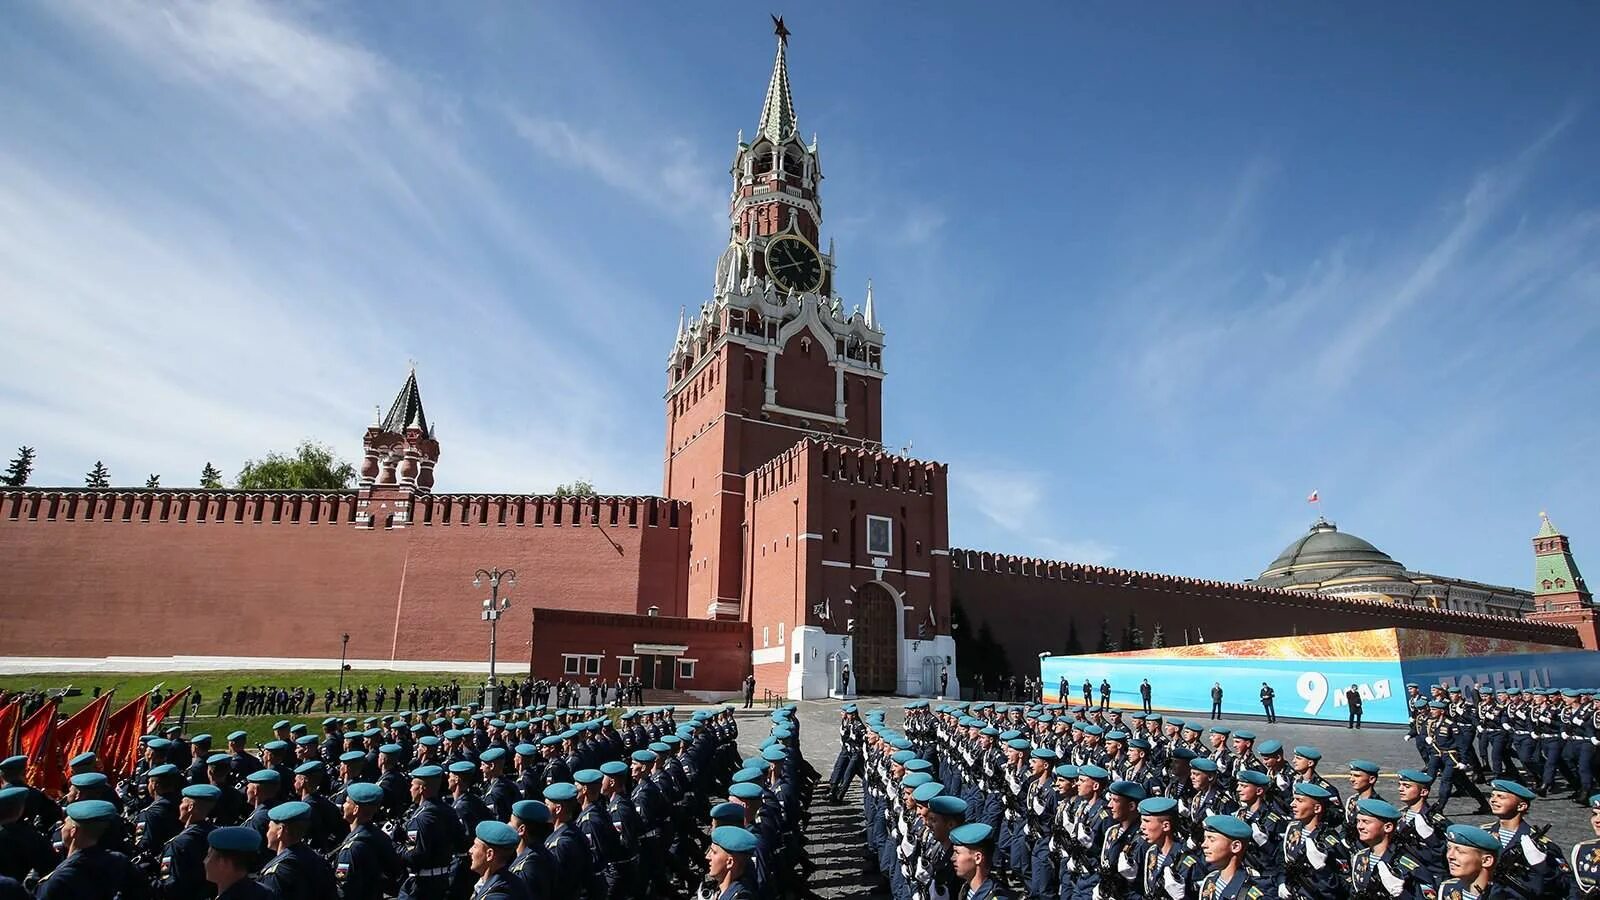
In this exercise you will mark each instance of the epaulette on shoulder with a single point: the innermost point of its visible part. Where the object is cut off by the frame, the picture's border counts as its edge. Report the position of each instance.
(1407, 863)
(1253, 892)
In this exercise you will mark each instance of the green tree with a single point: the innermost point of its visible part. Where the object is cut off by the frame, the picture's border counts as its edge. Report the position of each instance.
(1135, 633)
(98, 477)
(579, 488)
(1074, 645)
(21, 467)
(312, 466)
(1159, 639)
(154, 481)
(210, 478)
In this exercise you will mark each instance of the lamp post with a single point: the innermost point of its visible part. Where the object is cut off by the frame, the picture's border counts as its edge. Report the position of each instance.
(494, 606)
(344, 644)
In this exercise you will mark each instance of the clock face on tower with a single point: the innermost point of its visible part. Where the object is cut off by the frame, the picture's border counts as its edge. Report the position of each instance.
(794, 264)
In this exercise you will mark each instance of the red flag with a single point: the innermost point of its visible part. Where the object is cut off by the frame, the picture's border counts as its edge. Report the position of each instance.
(1313, 498)
(36, 739)
(160, 712)
(119, 745)
(10, 715)
(76, 735)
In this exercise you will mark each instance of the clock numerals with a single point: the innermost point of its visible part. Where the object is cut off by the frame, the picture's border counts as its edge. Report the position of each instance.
(794, 265)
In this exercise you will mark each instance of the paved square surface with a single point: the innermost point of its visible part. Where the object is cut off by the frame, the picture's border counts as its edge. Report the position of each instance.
(837, 841)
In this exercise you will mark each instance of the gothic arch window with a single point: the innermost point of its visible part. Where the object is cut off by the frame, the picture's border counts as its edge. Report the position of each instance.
(763, 161)
(1561, 582)
(1547, 584)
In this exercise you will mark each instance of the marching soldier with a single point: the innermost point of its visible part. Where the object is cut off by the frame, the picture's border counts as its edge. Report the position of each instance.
(1380, 869)
(431, 838)
(494, 846)
(1529, 863)
(1223, 848)
(1168, 870)
(1473, 856)
(1316, 860)
(971, 855)
(90, 870)
(1422, 826)
(183, 871)
(366, 865)
(1264, 852)
(1363, 786)
(533, 863)
(296, 872)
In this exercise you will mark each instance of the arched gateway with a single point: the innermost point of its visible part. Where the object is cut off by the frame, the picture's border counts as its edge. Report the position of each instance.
(877, 641)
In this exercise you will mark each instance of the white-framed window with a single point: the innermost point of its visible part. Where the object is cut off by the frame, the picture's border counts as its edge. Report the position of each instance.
(766, 635)
(580, 663)
(880, 536)
(626, 666)
(686, 668)
(780, 634)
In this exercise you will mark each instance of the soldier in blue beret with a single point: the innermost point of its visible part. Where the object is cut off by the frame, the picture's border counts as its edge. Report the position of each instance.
(232, 856)
(366, 863)
(1264, 852)
(1380, 868)
(432, 837)
(610, 877)
(575, 865)
(1223, 848)
(1473, 856)
(158, 823)
(1167, 866)
(23, 849)
(1316, 858)
(498, 791)
(1422, 825)
(327, 820)
(1039, 810)
(972, 858)
(470, 808)
(89, 869)
(533, 864)
(1363, 786)
(232, 807)
(296, 871)
(654, 816)
(1528, 858)
(616, 786)
(183, 874)
(494, 847)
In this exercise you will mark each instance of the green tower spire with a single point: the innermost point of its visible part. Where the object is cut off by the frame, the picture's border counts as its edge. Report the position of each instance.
(1556, 579)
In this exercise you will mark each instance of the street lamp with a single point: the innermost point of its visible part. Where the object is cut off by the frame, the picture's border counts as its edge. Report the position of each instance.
(494, 606)
(344, 644)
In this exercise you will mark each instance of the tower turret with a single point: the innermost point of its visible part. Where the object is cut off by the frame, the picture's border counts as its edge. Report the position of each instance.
(399, 452)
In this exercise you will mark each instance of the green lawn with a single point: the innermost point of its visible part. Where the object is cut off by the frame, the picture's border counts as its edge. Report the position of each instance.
(129, 685)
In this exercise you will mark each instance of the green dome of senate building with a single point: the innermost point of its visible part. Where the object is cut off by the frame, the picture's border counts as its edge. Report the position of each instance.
(1326, 554)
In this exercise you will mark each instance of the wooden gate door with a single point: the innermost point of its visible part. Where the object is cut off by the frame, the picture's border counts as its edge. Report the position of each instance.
(877, 660)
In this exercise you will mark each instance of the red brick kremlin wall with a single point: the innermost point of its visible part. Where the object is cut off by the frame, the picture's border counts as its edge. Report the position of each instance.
(1030, 606)
(88, 573)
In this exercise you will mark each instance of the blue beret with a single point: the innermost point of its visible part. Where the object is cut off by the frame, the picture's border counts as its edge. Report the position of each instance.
(1132, 790)
(1066, 770)
(1139, 744)
(1158, 806)
(311, 767)
(902, 756)
(290, 812)
(306, 740)
(1183, 753)
(202, 791)
(614, 768)
(496, 834)
(561, 792)
(527, 750)
(659, 747)
(1202, 764)
(1270, 747)
(218, 759)
(13, 794)
(1175, 721)
(1044, 753)
(531, 811)
(391, 749)
(747, 775)
(1229, 826)
(162, 771)
(919, 765)
(1255, 777)
(1364, 765)
(1512, 788)
(1415, 776)
(1242, 735)
(774, 754)
(927, 792)
(88, 779)
(1310, 753)
(915, 780)
(424, 772)
(733, 840)
(1378, 809)
(235, 839)
(972, 834)
(1218, 729)
(263, 776)
(1094, 772)
(81, 759)
(745, 790)
(364, 793)
(1313, 790)
(159, 743)
(429, 740)
(492, 754)
(281, 723)
(550, 740)
(948, 805)
(1093, 729)
(275, 746)
(1474, 837)
(727, 812)
(1019, 744)
(462, 767)
(587, 776)
(350, 757)
(644, 756)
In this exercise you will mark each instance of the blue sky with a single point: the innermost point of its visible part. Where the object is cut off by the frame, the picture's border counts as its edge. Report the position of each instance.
(1149, 277)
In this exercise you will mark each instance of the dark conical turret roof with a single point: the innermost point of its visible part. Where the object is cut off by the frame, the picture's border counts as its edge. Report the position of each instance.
(407, 410)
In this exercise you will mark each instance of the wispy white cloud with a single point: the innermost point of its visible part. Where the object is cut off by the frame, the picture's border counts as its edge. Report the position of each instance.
(1018, 502)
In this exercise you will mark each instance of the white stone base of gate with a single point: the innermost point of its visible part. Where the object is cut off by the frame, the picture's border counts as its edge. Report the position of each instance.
(815, 675)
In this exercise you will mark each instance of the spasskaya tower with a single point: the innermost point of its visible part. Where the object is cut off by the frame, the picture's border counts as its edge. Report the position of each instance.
(774, 355)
